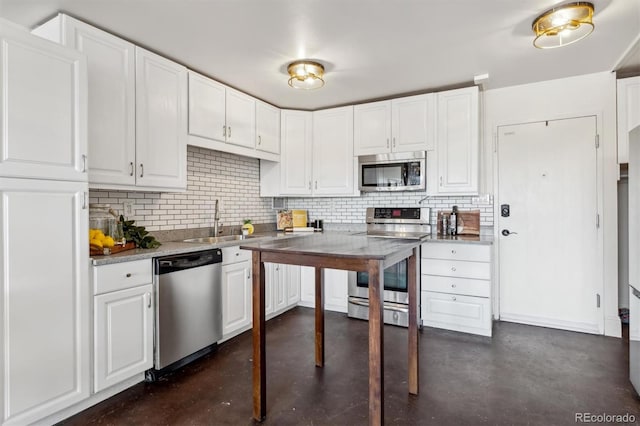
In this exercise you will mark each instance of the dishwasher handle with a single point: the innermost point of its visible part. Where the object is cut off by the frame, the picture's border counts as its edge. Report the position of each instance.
(181, 262)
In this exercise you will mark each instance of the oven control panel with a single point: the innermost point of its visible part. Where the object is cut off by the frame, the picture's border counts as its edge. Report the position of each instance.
(398, 215)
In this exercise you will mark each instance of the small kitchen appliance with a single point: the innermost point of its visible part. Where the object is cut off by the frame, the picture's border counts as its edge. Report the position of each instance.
(392, 172)
(389, 222)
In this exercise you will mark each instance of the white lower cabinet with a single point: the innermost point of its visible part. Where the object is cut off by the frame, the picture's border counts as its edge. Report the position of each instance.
(123, 340)
(236, 291)
(335, 289)
(456, 287)
(123, 321)
(282, 288)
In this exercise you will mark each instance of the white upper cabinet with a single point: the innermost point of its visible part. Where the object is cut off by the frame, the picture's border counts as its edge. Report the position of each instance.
(206, 107)
(400, 125)
(267, 128)
(219, 113)
(295, 163)
(333, 161)
(117, 121)
(43, 90)
(161, 121)
(628, 114)
(454, 168)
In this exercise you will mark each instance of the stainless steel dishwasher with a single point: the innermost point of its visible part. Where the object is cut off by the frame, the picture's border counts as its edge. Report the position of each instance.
(188, 323)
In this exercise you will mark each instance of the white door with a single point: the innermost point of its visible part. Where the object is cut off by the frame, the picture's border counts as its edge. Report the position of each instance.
(457, 150)
(267, 128)
(161, 122)
(241, 119)
(43, 92)
(550, 258)
(123, 341)
(111, 97)
(333, 162)
(372, 128)
(44, 302)
(236, 296)
(413, 123)
(206, 108)
(296, 152)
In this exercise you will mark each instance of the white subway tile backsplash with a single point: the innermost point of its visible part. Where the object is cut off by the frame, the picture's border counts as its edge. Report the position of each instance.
(234, 180)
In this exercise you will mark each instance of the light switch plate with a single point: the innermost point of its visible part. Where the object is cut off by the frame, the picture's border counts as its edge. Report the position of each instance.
(127, 207)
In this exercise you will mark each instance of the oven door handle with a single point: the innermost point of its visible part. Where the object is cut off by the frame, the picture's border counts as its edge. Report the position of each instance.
(390, 306)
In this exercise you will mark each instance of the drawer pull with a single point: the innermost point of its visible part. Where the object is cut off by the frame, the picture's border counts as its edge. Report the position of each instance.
(237, 254)
(453, 286)
(128, 275)
(453, 298)
(148, 296)
(453, 252)
(453, 268)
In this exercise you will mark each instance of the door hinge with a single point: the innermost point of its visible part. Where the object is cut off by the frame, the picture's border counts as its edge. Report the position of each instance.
(597, 141)
(597, 300)
(597, 220)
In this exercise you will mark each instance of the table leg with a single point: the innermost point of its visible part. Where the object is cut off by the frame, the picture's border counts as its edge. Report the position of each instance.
(413, 322)
(319, 317)
(259, 358)
(376, 358)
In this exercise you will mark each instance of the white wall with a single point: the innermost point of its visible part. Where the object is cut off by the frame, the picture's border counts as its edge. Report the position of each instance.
(592, 94)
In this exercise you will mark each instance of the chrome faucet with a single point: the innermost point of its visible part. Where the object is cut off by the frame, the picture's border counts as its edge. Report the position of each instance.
(216, 219)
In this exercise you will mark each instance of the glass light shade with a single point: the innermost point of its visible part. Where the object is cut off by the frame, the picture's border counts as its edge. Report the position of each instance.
(305, 75)
(563, 25)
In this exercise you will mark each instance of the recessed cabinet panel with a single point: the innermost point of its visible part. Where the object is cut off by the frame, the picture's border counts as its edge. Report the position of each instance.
(412, 123)
(296, 152)
(333, 165)
(372, 128)
(267, 128)
(44, 303)
(628, 113)
(43, 94)
(123, 335)
(241, 119)
(111, 111)
(161, 114)
(206, 108)
(236, 297)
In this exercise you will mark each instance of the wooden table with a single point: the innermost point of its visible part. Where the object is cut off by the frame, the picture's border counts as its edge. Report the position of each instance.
(337, 251)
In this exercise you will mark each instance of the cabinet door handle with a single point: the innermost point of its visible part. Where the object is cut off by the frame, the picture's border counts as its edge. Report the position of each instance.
(394, 142)
(229, 132)
(259, 140)
(141, 170)
(316, 184)
(128, 275)
(85, 195)
(309, 184)
(249, 276)
(84, 163)
(440, 180)
(131, 168)
(387, 142)
(224, 131)
(148, 296)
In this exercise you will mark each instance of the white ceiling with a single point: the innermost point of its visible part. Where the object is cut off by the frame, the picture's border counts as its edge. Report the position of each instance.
(370, 48)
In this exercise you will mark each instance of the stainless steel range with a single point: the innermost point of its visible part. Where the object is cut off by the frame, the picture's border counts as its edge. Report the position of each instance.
(389, 222)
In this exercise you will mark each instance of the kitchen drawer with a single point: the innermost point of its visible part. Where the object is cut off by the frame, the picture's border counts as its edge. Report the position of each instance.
(456, 268)
(119, 276)
(457, 251)
(463, 286)
(233, 254)
(454, 312)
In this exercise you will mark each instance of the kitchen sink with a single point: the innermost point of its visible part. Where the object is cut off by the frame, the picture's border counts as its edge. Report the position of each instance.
(221, 239)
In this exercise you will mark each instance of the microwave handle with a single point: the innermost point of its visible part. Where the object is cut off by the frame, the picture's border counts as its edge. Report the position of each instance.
(405, 174)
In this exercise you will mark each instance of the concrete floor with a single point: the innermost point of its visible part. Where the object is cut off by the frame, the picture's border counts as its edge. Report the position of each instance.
(522, 376)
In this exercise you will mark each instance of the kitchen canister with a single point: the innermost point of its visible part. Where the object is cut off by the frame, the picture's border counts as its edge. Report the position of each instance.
(104, 218)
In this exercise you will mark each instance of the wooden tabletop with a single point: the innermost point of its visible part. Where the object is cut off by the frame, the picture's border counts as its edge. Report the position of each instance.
(336, 245)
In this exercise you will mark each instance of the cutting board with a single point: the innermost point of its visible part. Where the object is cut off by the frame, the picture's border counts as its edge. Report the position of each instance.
(468, 221)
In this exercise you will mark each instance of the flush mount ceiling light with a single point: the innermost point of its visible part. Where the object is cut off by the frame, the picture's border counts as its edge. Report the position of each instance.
(563, 25)
(305, 75)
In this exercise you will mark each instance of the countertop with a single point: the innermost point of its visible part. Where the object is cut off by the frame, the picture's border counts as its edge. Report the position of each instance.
(350, 241)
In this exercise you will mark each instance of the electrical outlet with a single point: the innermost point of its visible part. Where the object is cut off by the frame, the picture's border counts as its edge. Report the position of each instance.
(482, 199)
(127, 207)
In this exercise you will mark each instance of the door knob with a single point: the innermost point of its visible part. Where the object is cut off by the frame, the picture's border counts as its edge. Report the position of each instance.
(506, 232)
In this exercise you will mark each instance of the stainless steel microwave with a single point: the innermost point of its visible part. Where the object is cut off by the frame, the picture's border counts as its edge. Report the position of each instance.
(392, 172)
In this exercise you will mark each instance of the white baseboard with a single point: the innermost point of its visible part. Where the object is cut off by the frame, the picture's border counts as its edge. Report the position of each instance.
(551, 323)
